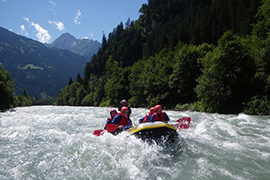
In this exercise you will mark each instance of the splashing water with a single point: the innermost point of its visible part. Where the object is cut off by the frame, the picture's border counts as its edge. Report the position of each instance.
(46, 142)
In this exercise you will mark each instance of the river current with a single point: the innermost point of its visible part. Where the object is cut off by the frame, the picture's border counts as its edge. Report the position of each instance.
(48, 142)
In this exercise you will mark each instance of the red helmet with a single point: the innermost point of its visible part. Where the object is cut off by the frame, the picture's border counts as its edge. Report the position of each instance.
(157, 106)
(152, 110)
(113, 110)
(124, 109)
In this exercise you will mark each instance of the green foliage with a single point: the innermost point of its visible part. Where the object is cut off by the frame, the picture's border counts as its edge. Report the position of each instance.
(262, 26)
(115, 82)
(181, 54)
(186, 70)
(31, 66)
(80, 94)
(23, 100)
(258, 106)
(70, 81)
(170, 21)
(67, 95)
(88, 100)
(189, 107)
(6, 89)
(99, 92)
(124, 45)
(150, 78)
(227, 79)
(137, 85)
(79, 79)
(7, 93)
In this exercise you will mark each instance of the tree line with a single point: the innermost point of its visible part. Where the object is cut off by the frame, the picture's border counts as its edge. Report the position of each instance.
(7, 92)
(210, 56)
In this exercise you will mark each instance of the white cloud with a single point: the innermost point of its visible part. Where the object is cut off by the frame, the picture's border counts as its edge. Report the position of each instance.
(23, 30)
(42, 34)
(53, 3)
(76, 19)
(91, 35)
(59, 25)
(53, 6)
(26, 19)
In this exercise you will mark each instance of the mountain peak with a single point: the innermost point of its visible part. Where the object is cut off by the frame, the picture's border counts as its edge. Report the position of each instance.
(65, 41)
(66, 35)
(84, 47)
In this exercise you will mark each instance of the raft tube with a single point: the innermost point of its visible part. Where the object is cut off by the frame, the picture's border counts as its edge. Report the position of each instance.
(154, 131)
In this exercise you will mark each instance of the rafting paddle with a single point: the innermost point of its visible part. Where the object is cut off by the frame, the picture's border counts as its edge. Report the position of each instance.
(99, 132)
(183, 123)
(109, 128)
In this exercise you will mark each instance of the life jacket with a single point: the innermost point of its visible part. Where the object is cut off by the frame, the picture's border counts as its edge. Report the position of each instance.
(159, 117)
(145, 118)
(124, 120)
(150, 116)
(109, 118)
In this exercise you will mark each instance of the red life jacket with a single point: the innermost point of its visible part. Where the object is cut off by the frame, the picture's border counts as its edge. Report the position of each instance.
(159, 117)
(110, 118)
(124, 120)
(145, 118)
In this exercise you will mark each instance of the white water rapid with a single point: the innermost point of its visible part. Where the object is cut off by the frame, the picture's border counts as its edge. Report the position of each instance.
(47, 142)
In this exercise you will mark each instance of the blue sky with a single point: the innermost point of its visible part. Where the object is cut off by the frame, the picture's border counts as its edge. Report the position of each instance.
(46, 20)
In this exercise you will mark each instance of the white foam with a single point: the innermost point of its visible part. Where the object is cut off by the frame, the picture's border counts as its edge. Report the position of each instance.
(58, 143)
(232, 145)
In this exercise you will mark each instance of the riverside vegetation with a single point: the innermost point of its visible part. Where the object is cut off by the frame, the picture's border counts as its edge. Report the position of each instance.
(7, 92)
(206, 55)
(211, 56)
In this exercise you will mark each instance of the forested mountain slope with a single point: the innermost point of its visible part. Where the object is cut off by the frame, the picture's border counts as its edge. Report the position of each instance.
(202, 55)
(163, 24)
(36, 69)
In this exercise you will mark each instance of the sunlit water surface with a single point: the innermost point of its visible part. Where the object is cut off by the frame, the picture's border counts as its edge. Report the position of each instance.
(47, 142)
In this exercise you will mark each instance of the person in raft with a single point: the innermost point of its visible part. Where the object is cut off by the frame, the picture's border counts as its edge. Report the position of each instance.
(113, 113)
(147, 116)
(159, 115)
(124, 103)
(122, 119)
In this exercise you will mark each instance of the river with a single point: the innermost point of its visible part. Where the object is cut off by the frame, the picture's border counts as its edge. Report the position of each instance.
(48, 142)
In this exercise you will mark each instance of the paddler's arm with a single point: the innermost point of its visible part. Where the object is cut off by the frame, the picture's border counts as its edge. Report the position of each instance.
(141, 120)
(116, 119)
(151, 119)
(107, 122)
(166, 117)
(129, 126)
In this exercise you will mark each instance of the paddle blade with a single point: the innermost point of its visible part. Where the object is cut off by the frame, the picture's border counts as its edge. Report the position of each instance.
(183, 123)
(99, 132)
(111, 127)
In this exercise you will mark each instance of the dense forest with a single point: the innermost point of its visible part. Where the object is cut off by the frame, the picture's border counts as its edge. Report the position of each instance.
(7, 92)
(211, 56)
